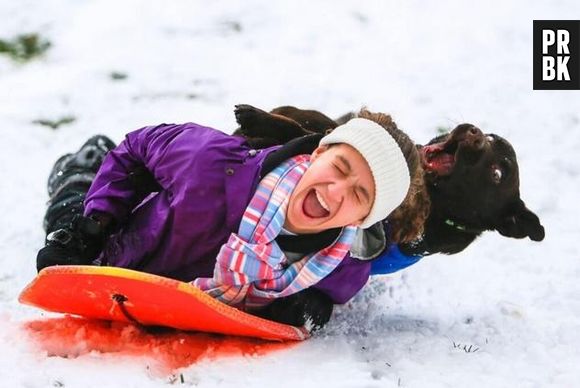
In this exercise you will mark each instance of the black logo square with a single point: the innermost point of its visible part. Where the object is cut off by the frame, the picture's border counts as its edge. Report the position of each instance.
(556, 55)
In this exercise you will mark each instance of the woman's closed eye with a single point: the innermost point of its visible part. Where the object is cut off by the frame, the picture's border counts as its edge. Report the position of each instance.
(339, 169)
(358, 195)
(358, 192)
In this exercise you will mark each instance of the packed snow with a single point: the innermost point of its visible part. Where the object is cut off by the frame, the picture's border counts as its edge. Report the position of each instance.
(503, 313)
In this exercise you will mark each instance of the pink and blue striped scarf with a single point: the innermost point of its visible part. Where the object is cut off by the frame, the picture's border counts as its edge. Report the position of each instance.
(251, 269)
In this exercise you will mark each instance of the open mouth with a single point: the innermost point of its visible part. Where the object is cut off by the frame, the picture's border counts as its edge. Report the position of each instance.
(439, 158)
(314, 205)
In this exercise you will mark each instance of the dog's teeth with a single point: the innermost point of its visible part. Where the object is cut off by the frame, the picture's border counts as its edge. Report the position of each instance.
(322, 203)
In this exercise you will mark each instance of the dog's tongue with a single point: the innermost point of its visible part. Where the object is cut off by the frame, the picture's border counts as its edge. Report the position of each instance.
(437, 160)
(312, 208)
(441, 163)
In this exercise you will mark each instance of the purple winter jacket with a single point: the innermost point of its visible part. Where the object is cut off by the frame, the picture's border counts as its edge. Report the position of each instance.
(207, 179)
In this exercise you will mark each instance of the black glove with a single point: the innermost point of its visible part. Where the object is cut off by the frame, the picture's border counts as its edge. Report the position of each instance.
(78, 244)
(309, 306)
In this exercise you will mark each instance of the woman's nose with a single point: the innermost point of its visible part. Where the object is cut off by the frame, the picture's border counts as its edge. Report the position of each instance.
(338, 189)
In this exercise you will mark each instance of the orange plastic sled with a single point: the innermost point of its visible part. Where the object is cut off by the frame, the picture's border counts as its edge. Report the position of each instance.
(104, 292)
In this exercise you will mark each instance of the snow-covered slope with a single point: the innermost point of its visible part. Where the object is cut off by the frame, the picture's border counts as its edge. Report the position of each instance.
(504, 313)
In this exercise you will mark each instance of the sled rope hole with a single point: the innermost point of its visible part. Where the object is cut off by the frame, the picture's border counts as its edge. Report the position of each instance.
(121, 299)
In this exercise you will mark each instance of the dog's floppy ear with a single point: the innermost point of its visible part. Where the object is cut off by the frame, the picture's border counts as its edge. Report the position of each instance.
(520, 222)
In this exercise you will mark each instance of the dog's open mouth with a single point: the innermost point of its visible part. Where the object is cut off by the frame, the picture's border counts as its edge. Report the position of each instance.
(439, 158)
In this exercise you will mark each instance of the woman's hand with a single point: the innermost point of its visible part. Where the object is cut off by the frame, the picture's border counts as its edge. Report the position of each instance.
(309, 307)
(78, 244)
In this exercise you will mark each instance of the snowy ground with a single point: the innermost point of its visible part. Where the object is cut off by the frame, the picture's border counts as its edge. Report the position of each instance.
(428, 64)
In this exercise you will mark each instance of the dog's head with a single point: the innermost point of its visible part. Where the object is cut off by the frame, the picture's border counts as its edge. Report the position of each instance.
(473, 180)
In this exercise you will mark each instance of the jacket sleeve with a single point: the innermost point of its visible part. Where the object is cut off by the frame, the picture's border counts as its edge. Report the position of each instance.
(392, 260)
(346, 280)
(112, 191)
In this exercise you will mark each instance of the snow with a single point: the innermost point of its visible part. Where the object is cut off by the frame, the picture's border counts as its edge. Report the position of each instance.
(504, 313)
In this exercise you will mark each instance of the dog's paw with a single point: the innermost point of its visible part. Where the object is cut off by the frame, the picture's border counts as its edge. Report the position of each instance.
(247, 114)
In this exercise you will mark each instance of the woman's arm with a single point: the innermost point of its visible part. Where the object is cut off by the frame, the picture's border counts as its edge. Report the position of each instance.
(145, 156)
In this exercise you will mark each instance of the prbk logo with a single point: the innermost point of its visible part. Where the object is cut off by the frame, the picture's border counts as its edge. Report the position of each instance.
(556, 54)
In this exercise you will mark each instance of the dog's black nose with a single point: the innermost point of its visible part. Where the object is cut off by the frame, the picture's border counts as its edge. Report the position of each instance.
(474, 137)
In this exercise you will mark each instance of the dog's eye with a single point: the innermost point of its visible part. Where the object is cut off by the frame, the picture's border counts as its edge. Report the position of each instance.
(497, 174)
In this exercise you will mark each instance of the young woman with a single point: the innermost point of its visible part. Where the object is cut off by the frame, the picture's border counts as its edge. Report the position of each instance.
(248, 227)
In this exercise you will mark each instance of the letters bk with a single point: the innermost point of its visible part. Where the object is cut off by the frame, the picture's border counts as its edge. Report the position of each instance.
(556, 54)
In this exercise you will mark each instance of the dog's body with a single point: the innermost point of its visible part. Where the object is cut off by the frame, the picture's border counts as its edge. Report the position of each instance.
(472, 178)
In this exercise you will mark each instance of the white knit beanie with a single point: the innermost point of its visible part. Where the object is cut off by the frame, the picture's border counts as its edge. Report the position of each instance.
(385, 158)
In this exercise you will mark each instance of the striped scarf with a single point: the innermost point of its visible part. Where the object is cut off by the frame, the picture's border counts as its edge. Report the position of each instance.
(251, 269)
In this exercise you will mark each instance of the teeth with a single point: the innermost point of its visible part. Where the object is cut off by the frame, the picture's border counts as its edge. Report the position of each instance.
(322, 203)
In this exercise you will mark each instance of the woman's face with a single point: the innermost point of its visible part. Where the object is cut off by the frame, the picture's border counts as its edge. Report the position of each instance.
(338, 189)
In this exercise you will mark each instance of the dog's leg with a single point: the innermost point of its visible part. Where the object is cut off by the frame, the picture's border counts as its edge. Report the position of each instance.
(256, 123)
(311, 120)
(345, 117)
